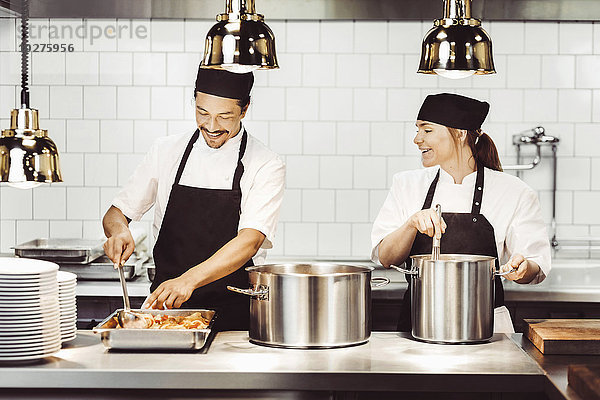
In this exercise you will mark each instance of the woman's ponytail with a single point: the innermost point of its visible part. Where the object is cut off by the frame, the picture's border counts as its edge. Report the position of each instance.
(484, 150)
(482, 146)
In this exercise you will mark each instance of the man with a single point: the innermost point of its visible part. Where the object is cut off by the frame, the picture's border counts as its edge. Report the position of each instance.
(217, 195)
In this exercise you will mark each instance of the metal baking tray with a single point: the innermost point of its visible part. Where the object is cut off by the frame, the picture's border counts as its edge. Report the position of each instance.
(154, 339)
(103, 269)
(74, 251)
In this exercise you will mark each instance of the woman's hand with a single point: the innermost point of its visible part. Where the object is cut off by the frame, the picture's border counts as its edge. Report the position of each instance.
(428, 223)
(525, 270)
(171, 294)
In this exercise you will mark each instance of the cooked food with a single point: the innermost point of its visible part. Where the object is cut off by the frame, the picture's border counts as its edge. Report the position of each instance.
(163, 321)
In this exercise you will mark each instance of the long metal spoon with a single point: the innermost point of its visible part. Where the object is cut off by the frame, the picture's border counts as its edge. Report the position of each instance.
(435, 248)
(127, 318)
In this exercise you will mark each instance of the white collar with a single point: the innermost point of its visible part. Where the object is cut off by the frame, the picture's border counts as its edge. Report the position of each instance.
(468, 180)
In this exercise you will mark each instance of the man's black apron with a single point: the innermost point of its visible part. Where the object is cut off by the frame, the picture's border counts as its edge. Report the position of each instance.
(466, 233)
(197, 223)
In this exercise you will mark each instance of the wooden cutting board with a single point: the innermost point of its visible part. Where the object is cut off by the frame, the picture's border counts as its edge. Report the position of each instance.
(585, 380)
(565, 336)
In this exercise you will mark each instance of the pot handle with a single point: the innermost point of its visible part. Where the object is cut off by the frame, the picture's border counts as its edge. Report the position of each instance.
(379, 281)
(507, 272)
(261, 294)
(405, 271)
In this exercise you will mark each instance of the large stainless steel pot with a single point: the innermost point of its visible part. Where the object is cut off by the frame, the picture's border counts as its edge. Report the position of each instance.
(319, 305)
(452, 298)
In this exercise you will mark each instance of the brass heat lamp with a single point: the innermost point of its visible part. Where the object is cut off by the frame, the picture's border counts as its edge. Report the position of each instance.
(457, 46)
(240, 41)
(28, 157)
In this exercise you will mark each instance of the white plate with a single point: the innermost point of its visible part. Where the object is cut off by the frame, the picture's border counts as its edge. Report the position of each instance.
(25, 321)
(28, 308)
(28, 285)
(29, 317)
(42, 329)
(29, 280)
(64, 276)
(42, 326)
(12, 293)
(29, 339)
(30, 355)
(50, 299)
(19, 266)
(30, 348)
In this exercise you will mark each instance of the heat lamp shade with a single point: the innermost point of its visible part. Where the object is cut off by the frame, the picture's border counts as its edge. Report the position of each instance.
(28, 158)
(240, 46)
(457, 48)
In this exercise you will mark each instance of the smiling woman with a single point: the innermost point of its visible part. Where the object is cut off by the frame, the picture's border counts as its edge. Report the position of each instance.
(486, 212)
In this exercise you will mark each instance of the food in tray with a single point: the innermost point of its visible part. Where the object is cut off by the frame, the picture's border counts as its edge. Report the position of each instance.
(163, 321)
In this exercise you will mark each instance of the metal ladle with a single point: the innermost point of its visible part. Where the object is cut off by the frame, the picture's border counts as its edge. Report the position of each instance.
(435, 249)
(127, 318)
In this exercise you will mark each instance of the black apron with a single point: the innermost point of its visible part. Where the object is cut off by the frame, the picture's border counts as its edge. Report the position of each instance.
(466, 233)
(197, 223)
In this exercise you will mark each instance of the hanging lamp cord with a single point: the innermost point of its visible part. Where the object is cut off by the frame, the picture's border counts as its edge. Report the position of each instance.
(24, 53)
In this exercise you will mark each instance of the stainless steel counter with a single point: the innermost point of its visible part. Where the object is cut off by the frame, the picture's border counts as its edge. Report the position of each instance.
(388, 362)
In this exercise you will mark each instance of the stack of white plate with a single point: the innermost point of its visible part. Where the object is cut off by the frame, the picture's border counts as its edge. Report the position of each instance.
(68, 307)
(29, 309)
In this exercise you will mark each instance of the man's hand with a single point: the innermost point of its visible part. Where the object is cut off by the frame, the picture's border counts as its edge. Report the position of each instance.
(120, 244)
(119, 247)
(171, 294)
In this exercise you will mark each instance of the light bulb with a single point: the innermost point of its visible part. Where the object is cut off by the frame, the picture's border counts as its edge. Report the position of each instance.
(454, 73)
(25, 185)
(240, 69)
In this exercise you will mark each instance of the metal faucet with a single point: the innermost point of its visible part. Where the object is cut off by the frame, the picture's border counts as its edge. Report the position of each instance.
(537, 136)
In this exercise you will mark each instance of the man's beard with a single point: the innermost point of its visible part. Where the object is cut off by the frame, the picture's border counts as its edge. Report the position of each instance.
(208, 135)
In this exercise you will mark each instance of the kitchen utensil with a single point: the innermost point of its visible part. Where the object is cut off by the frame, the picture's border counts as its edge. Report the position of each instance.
(435, 248)
(74, 251)
(317, 305)
(126, 318)
(565, 336)
(452, 298)
(114, 337)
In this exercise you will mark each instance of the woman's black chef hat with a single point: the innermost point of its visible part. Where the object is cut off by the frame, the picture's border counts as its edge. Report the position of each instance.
(454, 111)
(224, 83)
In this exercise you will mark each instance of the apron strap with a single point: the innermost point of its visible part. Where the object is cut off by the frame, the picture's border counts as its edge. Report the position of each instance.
(239, 170)
(478, 193)
(186, 154)
(431, 191)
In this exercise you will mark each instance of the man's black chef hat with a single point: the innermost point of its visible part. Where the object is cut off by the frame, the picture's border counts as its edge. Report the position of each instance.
(454, 111)
(224, 83)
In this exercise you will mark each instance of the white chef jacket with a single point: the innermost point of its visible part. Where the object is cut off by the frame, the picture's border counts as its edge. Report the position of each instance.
(262, 182)
(511, 207)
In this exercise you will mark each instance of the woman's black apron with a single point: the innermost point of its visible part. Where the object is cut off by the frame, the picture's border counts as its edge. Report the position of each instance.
(466, 233)
(197, 223)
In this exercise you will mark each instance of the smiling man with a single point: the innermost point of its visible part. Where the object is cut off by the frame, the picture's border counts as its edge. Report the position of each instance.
(216, 195)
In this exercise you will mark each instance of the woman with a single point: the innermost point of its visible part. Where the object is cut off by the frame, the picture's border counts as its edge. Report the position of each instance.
(485, 211)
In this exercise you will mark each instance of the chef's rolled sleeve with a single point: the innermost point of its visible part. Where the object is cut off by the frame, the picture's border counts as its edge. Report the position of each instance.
(391, 217)
(139, 193)
(262, 203)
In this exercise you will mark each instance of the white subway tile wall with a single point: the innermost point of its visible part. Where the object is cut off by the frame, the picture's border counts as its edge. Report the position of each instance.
(340, 111)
